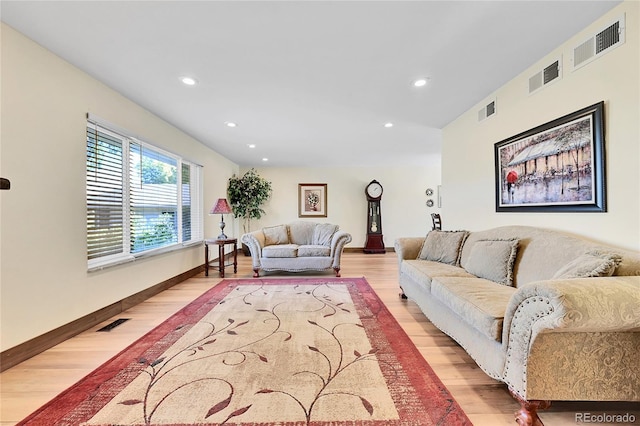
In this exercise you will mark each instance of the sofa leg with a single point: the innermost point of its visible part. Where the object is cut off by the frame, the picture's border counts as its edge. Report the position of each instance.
(337, 271)
(402, 295)
(256, 273)
(527, 415)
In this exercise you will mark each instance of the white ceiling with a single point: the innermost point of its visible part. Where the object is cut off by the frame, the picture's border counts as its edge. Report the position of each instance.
(308, 82)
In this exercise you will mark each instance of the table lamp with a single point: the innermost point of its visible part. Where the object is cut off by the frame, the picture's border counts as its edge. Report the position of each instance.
(222, 207)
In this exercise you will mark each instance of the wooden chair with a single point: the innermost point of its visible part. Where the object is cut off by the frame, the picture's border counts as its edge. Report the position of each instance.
(437, 222)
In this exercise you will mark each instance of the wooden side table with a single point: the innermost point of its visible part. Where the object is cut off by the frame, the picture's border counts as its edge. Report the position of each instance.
(221, 262)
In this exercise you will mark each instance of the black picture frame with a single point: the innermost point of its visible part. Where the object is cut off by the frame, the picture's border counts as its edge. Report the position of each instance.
(558, 166)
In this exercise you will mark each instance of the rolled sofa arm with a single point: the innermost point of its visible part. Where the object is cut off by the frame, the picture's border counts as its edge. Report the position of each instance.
(408, 247)
(584, 305)
(255, 241)
(338, 241)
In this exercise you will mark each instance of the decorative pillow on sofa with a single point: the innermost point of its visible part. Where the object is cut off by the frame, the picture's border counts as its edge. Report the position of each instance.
(275, 235)
(323, 233)
(443, 246)
(594, 263)
(301, 232)
(493, 260)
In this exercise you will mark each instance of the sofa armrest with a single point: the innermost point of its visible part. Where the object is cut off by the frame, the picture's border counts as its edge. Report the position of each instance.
(338, 241)
(408, 247)
(585, 305)
(255, 241)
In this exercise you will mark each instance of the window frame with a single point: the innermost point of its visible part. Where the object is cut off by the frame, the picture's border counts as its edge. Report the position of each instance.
(95, 126)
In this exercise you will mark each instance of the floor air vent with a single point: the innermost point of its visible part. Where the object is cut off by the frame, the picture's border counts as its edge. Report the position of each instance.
(487, 111)
(600, 43)
(114, 324)
(544, 77)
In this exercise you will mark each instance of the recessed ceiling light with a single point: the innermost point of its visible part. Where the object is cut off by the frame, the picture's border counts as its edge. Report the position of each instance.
(189, 81)
(251, 145)
(265, 159)
(420, 82)
(387, 125)
(230, 124)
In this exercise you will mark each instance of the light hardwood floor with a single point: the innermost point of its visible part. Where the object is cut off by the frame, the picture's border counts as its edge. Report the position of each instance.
(32, 383)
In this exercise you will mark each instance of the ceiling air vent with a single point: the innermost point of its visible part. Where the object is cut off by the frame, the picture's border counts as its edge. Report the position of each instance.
(600, 43)
(544, 77)
(487, 111)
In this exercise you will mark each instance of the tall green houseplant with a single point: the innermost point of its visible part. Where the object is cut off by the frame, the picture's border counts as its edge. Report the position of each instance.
(246, 196)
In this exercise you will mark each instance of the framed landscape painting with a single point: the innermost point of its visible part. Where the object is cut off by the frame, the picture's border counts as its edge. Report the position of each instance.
(312, 200)
(556, 167)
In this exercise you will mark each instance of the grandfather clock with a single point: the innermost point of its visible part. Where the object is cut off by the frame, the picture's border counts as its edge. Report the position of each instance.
(374, 243)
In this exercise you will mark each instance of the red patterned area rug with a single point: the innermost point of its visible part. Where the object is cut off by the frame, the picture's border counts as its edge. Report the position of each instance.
(310, 351)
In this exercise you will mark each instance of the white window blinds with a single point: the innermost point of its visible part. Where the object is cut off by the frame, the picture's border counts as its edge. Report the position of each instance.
(140, 199)
(105, 196)
(153, 189)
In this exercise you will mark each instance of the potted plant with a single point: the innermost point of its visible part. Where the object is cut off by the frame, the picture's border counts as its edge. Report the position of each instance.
(246, 196)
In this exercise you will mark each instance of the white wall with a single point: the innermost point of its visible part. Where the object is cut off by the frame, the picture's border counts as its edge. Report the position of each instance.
(44, 278)
(468, 161)
(404, 212)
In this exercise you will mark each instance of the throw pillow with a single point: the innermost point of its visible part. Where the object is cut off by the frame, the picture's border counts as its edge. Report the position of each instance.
(594, 263)
(275, 235)
(493, 260)
(323, 233)
(301, 232)
(443, 246)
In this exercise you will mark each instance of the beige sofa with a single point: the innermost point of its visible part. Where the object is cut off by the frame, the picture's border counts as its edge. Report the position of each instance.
(297, 246)
(535, 308)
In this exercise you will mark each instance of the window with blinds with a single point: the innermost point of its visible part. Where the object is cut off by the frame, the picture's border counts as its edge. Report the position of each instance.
(105, 195)
(140, 199)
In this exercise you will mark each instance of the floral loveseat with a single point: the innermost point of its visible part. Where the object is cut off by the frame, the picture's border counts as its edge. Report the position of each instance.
(297, 246)
(553, 316)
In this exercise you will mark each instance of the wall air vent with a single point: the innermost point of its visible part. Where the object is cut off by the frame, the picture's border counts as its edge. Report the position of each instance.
(545, 76)
(487, 111)
(598, 44)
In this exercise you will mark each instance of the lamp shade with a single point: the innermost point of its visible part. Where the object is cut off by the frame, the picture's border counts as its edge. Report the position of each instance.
(221, 207)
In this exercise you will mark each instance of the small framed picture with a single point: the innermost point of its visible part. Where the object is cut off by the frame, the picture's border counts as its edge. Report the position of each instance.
(312, 200)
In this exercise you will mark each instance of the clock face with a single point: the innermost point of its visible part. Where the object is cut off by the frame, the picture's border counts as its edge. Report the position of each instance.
(374, 190)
